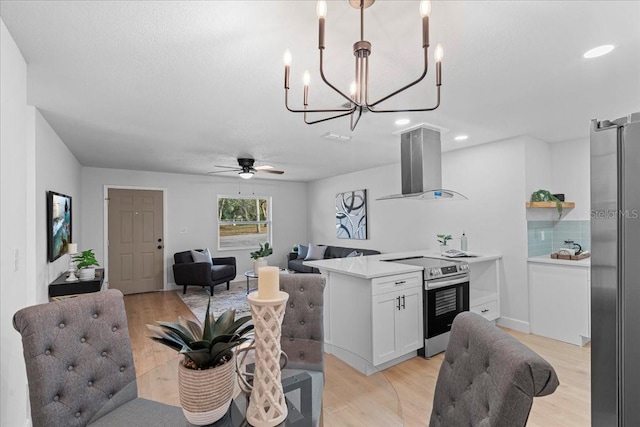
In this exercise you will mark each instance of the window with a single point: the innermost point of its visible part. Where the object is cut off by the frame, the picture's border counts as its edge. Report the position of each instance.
(243, 222)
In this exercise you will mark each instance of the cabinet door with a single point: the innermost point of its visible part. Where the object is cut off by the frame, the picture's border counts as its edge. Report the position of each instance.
(410, 322)
(559, 302)
(384, 313)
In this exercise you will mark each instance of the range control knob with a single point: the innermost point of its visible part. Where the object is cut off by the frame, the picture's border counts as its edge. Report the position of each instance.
(434, 272)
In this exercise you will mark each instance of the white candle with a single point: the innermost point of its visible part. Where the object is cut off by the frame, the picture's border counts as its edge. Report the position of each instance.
(72, 248)
(268, 283)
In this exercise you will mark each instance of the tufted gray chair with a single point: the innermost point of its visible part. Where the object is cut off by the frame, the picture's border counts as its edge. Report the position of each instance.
(80, 365)
(302, 336)
(488, 378)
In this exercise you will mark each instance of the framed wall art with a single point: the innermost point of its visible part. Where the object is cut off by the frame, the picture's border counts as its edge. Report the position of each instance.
(351, 215)
(58, 224)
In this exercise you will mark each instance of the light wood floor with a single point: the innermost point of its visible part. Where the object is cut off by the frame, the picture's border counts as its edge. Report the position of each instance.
(413, 381)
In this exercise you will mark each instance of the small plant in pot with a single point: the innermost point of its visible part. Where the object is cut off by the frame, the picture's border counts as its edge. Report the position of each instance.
(259, 256)
(86, 264)
(206, 376)
(443, 239)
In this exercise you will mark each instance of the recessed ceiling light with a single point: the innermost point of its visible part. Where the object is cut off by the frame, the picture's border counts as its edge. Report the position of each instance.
(598, 51)
(461, 137)
(402, 122)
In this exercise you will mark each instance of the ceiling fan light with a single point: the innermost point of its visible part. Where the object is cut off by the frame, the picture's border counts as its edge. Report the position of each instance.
(598, 51)
(245, 175)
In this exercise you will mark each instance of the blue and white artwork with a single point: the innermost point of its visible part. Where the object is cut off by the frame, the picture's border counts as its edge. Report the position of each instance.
(351, 215)
(59, 224)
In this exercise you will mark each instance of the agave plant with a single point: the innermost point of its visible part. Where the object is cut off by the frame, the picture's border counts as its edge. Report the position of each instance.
(206, 347)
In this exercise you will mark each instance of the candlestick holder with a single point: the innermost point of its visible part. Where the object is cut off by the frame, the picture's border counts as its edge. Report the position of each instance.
(267, 405)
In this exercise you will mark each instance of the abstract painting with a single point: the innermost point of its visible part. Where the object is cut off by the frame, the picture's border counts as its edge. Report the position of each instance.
(351, 215)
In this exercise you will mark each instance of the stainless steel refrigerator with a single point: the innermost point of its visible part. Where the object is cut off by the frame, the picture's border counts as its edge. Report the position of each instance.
(615, 272)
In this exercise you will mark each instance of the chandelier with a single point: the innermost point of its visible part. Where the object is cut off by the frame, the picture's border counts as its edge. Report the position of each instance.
(358, 98)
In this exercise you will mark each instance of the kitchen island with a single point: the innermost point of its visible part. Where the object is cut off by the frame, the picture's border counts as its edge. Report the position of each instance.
(373, 309)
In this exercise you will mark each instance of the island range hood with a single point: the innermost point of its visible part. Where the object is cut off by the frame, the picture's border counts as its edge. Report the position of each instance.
(421, 167)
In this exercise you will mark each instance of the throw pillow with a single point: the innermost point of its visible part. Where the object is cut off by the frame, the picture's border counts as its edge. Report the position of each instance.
(204, 256)
(354, 254)
(302, 251)
(315, 252)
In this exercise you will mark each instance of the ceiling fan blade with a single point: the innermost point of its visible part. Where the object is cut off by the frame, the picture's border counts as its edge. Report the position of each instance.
(263, 167)
(233, 170)
(278, 172)
(228, 167)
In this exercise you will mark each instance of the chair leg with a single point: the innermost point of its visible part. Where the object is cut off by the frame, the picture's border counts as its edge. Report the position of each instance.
(211, 287)
(227, 285)
(184, 289)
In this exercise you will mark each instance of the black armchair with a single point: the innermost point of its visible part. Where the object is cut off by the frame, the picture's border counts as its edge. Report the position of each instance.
(189, 273)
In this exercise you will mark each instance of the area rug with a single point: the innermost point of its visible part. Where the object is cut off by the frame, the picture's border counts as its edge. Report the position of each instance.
(235, 298)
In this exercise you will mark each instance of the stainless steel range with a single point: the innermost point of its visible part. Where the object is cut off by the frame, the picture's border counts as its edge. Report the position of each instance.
(445, 294)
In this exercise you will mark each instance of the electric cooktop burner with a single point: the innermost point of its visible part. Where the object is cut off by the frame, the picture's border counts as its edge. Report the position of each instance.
(435, 267)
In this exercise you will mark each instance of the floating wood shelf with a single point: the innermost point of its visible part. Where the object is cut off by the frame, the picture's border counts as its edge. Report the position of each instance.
(565, 205)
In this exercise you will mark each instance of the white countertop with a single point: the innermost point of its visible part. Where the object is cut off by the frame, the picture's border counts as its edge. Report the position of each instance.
(546, 259)
(372, 266)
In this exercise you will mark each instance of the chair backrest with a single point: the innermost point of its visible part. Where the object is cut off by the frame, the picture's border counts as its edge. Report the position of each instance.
(302, 327)
(182, 257)
(488, 377)
(78, 358)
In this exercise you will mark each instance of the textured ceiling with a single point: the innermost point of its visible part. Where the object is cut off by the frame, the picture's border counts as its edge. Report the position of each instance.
(183, 86)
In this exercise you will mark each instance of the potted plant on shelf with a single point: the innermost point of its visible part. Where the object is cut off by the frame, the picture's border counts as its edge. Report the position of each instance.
(86, 264)
(546, 196)
(207, 374)
(259, 256)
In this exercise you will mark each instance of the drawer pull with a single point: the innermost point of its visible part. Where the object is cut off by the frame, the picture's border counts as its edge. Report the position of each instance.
(401, 282)
(485, 310)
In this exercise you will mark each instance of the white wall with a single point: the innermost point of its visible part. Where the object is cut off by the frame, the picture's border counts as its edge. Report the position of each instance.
(16, 189)
(492, 176)
(191, 201)
(571, 175)
(56, 170)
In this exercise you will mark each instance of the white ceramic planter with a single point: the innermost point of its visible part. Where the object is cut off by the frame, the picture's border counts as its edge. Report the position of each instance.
(87, 273)
(259, 263)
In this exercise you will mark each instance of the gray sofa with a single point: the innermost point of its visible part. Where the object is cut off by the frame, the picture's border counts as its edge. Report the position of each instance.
(296, 264)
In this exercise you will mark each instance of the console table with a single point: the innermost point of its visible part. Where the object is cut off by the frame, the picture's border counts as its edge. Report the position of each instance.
(60, 288)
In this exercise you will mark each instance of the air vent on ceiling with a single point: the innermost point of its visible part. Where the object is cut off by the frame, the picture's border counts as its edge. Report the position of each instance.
(335, 137)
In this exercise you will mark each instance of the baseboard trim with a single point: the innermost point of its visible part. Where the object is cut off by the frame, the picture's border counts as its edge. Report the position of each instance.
(516, 324)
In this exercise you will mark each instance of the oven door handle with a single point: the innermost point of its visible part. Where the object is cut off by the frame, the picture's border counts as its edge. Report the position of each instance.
(434, 284)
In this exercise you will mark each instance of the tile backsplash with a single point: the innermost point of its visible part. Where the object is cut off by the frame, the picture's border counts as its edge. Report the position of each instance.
(545, 237)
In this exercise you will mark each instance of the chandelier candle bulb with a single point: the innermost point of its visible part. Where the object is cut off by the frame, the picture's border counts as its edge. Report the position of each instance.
(305, 79)
(321, 11)
(439, 53)
(287, 64)
(425, 10)
(268, 283)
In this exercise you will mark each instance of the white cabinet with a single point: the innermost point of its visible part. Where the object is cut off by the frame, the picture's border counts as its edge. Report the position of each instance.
(397, 324)
(484, 288)
(559, 297)
(373, 323)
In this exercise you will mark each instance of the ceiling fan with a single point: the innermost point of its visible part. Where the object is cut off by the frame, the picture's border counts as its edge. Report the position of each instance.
(246, 169)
